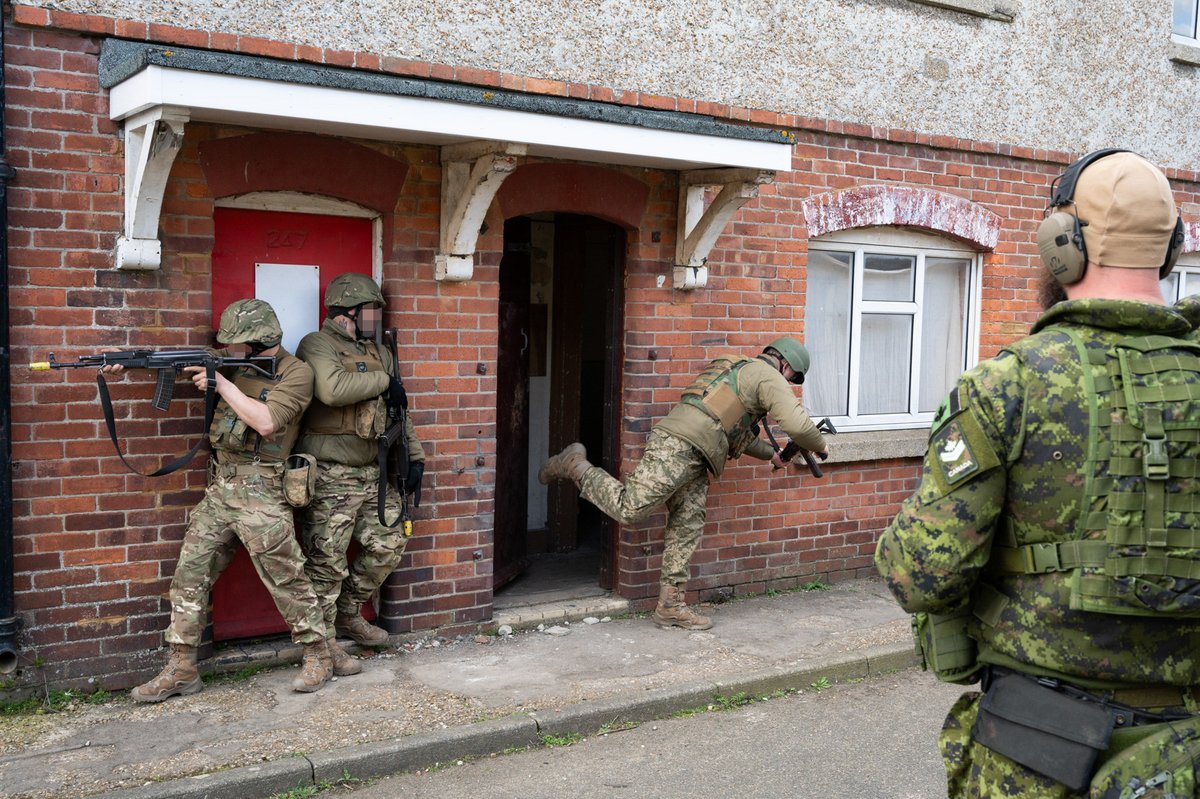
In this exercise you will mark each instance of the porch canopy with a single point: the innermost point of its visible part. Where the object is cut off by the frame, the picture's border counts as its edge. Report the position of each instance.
(483, 134)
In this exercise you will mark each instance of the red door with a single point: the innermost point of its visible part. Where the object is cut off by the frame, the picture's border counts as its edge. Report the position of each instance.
(287, 259)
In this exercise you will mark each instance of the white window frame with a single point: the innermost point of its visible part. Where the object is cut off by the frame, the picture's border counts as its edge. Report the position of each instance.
(898, 241)
(1183, 37)
(1188, 264)
(1185, 49)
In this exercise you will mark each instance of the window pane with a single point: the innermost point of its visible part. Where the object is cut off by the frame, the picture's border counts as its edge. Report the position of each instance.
(1191, 283)
(888, 277)
(827, 333)
(886, 354)
(1185, 18)
(943, 343)
(1170, 288)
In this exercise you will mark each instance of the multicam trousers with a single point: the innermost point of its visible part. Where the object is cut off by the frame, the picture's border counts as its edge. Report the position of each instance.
(251, 508)
(344, 508)
(975, 772)
(673, 471)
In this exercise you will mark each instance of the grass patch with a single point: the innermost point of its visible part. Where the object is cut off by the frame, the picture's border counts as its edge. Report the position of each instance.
(820, 685)
(562, 740)
(53, 702)
(241, 675)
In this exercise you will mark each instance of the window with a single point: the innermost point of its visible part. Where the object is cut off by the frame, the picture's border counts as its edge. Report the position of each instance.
(1184, 19)
(891, 321)
(1184, 279)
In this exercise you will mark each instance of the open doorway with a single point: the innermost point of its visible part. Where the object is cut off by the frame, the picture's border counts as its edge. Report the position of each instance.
(560, 331)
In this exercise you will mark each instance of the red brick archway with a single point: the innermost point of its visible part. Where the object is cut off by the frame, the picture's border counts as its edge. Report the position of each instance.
(868, 206)
(577, 189)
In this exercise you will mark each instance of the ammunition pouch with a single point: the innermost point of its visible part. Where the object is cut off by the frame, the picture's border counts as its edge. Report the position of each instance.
(299, 479)
(1044, 730)
(945, 648)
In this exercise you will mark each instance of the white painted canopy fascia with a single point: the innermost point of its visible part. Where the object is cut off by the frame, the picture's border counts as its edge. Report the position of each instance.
(209, 97)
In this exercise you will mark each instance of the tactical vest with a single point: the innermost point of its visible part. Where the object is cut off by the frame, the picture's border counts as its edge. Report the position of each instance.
(365, 419)
(715, 391)
(238, 441)
(1137, 545)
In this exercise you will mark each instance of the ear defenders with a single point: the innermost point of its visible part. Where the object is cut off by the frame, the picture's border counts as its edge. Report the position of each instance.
(1060, 237)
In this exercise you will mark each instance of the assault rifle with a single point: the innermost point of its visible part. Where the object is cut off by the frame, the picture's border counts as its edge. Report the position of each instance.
(169, 364)
(393, 448)
(792, 449)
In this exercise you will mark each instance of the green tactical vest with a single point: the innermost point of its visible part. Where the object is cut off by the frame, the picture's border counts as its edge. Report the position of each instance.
(715, 391)
(238, 441)
(1137, 550)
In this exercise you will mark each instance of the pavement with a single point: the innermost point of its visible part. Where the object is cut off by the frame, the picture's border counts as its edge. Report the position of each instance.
(569, 666)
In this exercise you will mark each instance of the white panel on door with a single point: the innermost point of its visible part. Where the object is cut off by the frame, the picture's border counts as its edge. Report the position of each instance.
(294, 292)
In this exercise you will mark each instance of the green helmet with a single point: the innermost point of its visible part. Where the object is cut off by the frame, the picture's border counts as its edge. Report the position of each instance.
(351, 289)
(792, 351)
(246, 321)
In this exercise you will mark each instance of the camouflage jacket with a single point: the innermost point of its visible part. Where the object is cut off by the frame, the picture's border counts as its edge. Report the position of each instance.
(1008, 451)
(335, 386)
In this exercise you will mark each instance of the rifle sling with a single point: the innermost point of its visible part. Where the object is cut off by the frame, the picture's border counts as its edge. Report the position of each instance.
(381, 498)
(210, 405)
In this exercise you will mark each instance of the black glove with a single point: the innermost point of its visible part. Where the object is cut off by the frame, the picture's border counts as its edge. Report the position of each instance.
(412, 484)
(396, 396)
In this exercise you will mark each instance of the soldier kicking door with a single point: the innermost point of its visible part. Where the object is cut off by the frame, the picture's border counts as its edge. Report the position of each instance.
(560, 324)
(287, 259)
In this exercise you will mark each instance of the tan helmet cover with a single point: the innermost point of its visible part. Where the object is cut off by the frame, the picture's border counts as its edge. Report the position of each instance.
(1127, 210)
(250, 321)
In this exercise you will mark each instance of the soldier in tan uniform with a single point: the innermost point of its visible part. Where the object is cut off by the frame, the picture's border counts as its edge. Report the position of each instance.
(716, 420)
(354, 383)
(254, 426)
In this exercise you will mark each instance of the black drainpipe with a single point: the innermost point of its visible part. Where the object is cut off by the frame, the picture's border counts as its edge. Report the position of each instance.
(8, 609)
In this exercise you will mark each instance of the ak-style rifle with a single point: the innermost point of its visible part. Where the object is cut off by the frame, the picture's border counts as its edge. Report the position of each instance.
(168, 363)
(792, 448)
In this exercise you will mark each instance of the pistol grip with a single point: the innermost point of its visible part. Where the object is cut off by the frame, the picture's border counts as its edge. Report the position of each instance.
(164, 389)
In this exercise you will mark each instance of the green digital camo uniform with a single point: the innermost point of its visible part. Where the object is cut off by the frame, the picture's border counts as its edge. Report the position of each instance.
(1006, 464)
(686, 445)
(349, 375)
(244, 498)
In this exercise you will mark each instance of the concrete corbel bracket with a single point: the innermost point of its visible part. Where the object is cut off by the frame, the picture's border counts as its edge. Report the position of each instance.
(152, 140)
(699, 227)
(471, 175)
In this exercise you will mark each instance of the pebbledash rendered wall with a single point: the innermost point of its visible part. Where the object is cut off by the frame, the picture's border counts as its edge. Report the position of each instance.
(96, 546)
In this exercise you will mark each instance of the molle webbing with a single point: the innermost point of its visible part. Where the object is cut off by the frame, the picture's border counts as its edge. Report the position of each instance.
(715, 391)
(278, 445)
(1138, 551)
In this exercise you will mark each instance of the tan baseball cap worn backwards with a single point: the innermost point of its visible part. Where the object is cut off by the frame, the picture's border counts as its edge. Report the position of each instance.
(1128, 211)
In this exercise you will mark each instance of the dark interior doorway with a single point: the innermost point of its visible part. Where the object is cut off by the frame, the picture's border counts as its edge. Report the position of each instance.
(560, 330)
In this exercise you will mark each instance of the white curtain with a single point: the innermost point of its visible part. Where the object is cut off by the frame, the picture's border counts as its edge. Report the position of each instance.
(827, 332)
(943, 344)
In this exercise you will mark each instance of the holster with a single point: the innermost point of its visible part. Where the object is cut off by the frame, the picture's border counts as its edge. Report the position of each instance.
(1057, 736)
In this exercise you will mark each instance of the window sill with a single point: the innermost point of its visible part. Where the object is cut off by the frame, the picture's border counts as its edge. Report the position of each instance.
(978, 8)
(877, 445)
(1186, 52)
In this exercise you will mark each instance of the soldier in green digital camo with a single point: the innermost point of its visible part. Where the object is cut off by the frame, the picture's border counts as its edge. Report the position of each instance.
(1052, 549)
(354, 383)
(716, 420)
(254, 426)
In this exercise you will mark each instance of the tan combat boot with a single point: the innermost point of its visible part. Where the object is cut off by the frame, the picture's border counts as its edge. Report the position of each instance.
(343, 663)
(315, 670)
(570, 464)
(673, 612)
(178, 678)
(354, 626)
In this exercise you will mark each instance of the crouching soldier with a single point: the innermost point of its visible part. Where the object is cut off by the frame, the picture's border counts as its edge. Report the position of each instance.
(254, 426)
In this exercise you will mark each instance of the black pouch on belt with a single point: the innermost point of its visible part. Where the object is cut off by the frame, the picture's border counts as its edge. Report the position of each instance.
(1048, 732)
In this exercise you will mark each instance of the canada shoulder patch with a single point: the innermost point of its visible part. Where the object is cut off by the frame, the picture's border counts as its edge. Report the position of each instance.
(958, 447)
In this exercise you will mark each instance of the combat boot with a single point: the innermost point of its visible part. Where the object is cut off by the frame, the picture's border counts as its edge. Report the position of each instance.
(355, 627)
(315, 670)
(178, 678)
(570, 464)
(672, 611)
(343, 663)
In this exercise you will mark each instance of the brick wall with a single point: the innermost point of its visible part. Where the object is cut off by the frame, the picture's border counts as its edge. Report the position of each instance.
(95, 545)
